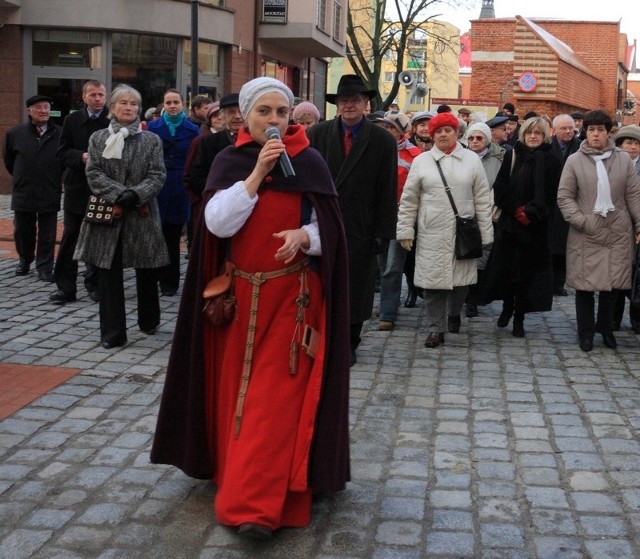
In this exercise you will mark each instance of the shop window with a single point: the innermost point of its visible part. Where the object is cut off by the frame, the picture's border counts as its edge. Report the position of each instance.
(146, 62)
(75, 49)
(208, 59)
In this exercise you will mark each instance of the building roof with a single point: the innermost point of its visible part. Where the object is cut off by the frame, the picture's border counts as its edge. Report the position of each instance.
(562, 50)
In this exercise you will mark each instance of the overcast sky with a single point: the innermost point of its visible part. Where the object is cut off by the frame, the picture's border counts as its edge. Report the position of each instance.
(627, 11)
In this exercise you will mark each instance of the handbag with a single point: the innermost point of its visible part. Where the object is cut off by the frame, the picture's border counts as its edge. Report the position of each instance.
(220, 301)
(101, 212)
(468, 242)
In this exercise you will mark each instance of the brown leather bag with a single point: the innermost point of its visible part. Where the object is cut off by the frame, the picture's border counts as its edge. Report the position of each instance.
(220, 301)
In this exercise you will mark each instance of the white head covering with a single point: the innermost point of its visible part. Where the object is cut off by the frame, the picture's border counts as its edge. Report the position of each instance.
(257, 87)
(479, 127)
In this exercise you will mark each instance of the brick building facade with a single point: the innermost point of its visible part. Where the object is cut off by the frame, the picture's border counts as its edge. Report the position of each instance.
(572, 65)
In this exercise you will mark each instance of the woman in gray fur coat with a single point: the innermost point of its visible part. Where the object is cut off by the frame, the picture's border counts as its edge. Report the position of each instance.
(126, 168)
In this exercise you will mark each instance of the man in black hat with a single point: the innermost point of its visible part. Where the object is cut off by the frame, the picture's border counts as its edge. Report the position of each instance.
(30, 157)
(499, 131)
(73, 153)
(363, 160)
(578, 117)
(210, 146)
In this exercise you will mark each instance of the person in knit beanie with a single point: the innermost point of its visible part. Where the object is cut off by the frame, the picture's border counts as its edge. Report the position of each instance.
(306, 114)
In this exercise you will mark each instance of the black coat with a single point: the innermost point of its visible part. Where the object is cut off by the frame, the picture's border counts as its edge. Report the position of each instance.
(208, 148)
(36, 170)
(520, 257)
(558, 227)
(74, 141)
(366, 182)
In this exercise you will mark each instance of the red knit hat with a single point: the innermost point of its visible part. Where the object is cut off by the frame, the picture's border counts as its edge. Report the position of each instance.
(443, 119)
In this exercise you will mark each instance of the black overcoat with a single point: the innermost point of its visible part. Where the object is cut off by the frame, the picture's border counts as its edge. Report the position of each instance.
(366, 181)
(520, 254)
(74, 142)
(35, 168)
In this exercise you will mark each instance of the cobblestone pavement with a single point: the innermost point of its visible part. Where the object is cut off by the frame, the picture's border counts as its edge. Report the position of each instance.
(489, 447)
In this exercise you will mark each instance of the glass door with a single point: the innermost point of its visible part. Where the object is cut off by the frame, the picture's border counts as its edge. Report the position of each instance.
(65, 92)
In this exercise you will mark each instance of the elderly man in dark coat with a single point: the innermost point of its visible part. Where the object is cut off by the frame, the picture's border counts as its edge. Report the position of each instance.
(73, 152)
(563, 144)
(363, 160)
(30, 157)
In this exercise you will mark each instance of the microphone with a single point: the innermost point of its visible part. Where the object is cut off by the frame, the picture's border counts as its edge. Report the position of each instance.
(285, 163)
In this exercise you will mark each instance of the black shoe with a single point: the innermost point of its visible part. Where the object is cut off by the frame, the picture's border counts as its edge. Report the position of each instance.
(505, 317)
(518, 330)
(60, 297)
(410, 301)
(453, 324)
(609, 340)
(434, 339)
(168, 292)
(352, 358)
(586, 344)
(94, 296)
(150, 331)
(22, 269)
(46, 277)
(472, 310)
(255, 531)
(560, 292)
(109, 345)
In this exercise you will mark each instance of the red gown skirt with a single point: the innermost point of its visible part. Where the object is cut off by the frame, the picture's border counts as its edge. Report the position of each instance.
(261, 472)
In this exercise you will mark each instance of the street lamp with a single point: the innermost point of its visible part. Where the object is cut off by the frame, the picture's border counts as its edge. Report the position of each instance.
(194, 47)
(504, 95)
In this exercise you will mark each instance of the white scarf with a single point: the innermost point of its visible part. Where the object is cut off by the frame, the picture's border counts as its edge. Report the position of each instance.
(603, 204)
(115, 142)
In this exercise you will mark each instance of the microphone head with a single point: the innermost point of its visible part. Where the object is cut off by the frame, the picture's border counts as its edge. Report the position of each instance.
(272, 133)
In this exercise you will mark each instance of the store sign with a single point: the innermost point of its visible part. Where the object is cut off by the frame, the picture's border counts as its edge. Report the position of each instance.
(274, 11)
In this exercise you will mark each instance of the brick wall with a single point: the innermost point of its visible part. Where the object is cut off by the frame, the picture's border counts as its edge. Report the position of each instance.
(503, 48)
(12, 106)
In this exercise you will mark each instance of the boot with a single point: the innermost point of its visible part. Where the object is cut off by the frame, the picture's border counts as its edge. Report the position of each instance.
(518, 325)
(505, 315)
(412, 296)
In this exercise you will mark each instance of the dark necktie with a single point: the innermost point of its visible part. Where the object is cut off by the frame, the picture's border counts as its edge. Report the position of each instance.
(347, 141)
(94, 117)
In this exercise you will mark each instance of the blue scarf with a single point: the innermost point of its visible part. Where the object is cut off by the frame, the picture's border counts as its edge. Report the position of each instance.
(173, 121)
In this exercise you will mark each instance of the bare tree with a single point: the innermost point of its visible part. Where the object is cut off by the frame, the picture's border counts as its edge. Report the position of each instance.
(383, 29)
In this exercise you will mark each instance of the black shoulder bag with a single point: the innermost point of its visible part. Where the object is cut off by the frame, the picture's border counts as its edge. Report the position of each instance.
(468, 243)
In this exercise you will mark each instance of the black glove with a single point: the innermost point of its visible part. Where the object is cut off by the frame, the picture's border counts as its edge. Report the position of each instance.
(128, 199)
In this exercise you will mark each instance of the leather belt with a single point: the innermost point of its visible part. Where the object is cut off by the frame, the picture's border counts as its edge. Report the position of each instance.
(256, 279)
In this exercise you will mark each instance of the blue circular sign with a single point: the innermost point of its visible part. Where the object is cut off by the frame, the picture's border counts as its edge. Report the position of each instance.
(527, 82)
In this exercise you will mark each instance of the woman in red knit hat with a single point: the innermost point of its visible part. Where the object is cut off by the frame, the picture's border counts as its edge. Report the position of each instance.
(425, 201)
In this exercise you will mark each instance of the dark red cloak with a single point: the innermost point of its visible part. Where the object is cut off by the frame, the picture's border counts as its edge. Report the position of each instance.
(181, 431)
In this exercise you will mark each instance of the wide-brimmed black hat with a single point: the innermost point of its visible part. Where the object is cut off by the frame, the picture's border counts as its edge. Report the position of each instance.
(350, 84)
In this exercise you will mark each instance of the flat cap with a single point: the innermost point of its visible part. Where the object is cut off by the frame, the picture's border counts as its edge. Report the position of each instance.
(464, 111)
(577, 115)
(422, 115)
(230, 100)
(496, 121)
(36, 99)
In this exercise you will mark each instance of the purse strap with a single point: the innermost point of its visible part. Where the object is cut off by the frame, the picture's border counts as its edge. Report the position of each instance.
(446, 188)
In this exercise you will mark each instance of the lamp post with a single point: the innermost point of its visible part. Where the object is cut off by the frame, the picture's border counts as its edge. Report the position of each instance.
(504, 97)
(194, 47)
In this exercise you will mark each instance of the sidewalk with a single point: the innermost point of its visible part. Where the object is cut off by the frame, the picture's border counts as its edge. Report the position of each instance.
(489, 447)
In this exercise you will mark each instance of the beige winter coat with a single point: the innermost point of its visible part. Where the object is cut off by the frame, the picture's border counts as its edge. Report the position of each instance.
(425, 201)
(599, 249)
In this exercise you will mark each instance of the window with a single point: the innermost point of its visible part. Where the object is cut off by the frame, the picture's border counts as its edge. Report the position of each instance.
(337, 20)
(208, 58)
(77, 49)
(322, 15)
(146, 62)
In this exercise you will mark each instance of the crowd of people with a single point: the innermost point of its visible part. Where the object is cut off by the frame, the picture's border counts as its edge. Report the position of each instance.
(302, 219)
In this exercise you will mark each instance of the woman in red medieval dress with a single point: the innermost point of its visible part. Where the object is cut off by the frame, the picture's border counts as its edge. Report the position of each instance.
(272, 415)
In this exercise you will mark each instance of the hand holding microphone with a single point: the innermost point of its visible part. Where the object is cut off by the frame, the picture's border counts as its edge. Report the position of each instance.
(273, 133)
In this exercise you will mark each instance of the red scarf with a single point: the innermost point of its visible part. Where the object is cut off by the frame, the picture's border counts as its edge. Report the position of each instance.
(295, 139)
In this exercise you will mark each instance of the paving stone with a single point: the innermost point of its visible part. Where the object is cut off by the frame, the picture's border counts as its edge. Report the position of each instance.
(458, 544)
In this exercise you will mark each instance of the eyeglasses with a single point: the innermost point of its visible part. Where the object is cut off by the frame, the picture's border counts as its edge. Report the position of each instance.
(476, 138)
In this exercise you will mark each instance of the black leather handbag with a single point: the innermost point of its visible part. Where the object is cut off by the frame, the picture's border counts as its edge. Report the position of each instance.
(99, 211)
(468, 243)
